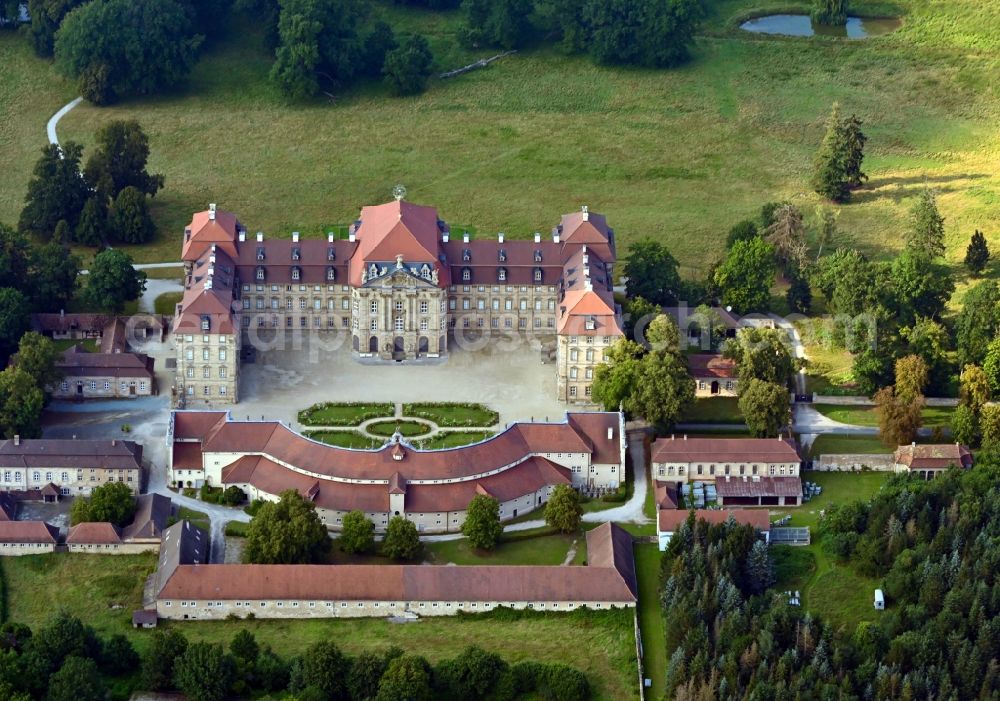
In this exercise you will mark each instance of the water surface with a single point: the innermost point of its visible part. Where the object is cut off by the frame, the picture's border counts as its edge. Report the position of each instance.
(803, 26)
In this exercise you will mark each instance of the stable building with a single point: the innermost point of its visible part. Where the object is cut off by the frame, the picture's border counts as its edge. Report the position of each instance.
(27, 538)
(186, 591)
(745, 471)
(519, 467)
(929, 461)
(73, 467)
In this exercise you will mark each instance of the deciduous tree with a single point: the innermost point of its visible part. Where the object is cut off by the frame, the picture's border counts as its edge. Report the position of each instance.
(357, 534)
(616, 378)
(744, 230)
(113, 281)
(324, 668)
(964, 425)
(978, 322)
(158, 659)
(989, 426)
(831, 12)
(77, 680)
(14, 320)
(367, 670)
(641, 33)
(563, 510)
(762, 354)
(408, 67)
(141, 47)
(407, 677)
(920, 286)
(898, 421)
(746, 276)
(287, 531)
(204, 672)
(652, 273)
(93, 226)
(911, 378)
(129, 217)
(37, 356)
(56, 191)
(975, 388)
(482, 522)
(766, 408)
(401, 542)
(119, 161)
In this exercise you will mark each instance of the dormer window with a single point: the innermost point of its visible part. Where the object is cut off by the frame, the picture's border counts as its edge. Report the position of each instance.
(331, 253)
(260, 272)
(466, 255)
(503, 255)
(466, 275)
(330, 273)
(538, 274)
(205, 323)
(502, 274)
(296, 273)
(296, 253)
(260, 253)
(425, 272)
(538, 256)
(590, 324)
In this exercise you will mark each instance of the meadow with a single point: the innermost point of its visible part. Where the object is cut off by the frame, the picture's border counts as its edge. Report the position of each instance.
(679, 155)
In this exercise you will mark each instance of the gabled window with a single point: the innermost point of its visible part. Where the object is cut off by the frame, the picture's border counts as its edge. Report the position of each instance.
(260, 253)
(466, 275)
(538, 256)
(372, 271)
(503, 255)
(205, 323)
(331, 253)
(260, 272)
(296, 253)
(296, 273)
(538, 274)
(466, 255)
(502, 274)
(330, 273)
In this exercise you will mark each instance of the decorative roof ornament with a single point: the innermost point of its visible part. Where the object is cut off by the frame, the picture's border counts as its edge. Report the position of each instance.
(399, 191)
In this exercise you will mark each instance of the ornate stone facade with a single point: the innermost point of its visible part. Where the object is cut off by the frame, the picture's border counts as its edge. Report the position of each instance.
(398, 287)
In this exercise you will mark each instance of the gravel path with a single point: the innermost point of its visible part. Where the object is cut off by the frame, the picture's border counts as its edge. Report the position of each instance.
(54, 119)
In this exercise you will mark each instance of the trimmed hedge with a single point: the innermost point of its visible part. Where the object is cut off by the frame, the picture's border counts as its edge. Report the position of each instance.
(450, 413)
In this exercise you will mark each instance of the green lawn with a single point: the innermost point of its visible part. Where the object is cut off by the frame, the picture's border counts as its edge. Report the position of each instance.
(867, 416)
(829, 443)
(405, 428)
(198, 518)
(88, 344)
(456, 414)
(344, 439)
(829, 589)
(453, 439)
(654, 644)
(343, 413)
(714, 410)
(741, 122)
(512, 550)
(104, 590)
(166, 303)
(237, 529)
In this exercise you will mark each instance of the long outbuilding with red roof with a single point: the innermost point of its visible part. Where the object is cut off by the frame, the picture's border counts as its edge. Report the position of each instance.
(519, 467)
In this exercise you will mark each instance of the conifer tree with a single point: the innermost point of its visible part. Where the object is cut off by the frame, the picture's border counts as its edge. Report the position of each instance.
(829, 165)
(926, 234)
(977, 255)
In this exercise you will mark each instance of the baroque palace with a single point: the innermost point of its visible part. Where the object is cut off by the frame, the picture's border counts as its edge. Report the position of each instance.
(399, 285)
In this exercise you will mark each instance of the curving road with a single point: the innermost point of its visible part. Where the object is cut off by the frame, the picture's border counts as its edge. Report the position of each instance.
(54, 119)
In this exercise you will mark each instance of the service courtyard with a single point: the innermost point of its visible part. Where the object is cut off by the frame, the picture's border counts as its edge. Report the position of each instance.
(295, 371)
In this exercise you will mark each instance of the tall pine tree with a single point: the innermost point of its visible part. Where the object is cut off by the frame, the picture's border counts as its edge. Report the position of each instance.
(977, 255)
(830, 164)
(926, 234)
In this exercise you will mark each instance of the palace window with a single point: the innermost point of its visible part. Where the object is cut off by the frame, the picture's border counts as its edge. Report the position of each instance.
(423, 307)
(374, 325)
(399, 323)
(399, 305)
(374, 306)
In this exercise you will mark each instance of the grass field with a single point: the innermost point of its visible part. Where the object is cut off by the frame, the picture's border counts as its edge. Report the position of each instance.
(198, 518)
(88, 344)
(453, 414)
(541, 550)
(678, 155)
(104, 591)
(829, 589)
(829, 443)
(934, 416)
(166, 303)
(405, 428)
(715, 410)
(654, 644)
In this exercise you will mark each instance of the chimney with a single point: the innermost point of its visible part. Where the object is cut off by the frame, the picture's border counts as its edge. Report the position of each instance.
(538, 237)
(17, 439)
(62, 313)
(586, 213)
(243, 236)
(260, 236)
(295, 237)
(913, 444)
(114, 442)
(588, 285)
(445, 236)
(211, 260)
(213, 248)
(465, 237)
(500, 237)
(685, 436)
(611, 433)
(555, 236)
(211, 211)
(351, 237)
(329, 237)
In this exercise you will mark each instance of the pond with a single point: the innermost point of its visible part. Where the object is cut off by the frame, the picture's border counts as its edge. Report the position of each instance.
(803, 26)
